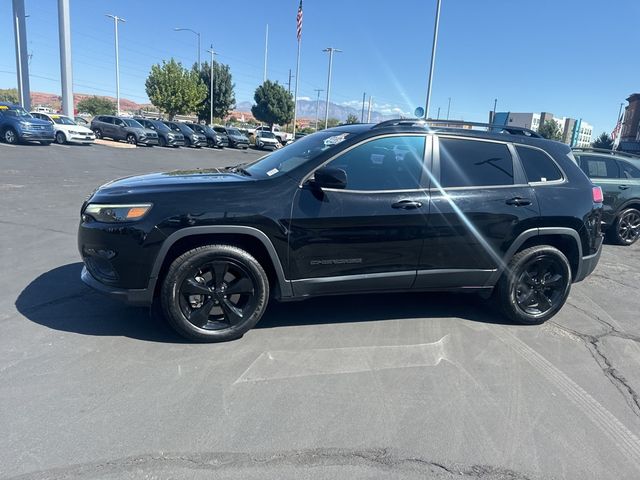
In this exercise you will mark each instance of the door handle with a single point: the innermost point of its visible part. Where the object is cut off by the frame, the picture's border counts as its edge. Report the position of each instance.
(407, 204)
(623, 187)
(518, 201)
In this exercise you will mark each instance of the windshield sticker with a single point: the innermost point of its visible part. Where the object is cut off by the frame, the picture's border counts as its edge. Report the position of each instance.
(336, 139)
(55, 116)
(272, 172)
(4, 107)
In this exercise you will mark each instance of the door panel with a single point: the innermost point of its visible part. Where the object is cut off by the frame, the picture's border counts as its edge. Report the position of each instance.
(363, 231)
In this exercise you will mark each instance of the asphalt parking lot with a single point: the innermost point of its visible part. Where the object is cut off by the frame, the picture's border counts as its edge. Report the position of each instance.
(385, 386)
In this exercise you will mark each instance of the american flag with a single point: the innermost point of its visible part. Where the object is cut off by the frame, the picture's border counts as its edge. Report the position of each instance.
(299, 21)
(616, 131)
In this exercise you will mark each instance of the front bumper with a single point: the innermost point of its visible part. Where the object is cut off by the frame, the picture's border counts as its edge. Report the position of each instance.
(36, 136)
(175, 142)
(149, 141)
(81, 138)
(588, 264)
(135, 297)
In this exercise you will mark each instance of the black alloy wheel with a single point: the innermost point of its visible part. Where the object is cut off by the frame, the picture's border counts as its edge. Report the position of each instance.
(98, 133)
(214, 293)
(535, 285)
(627, 227)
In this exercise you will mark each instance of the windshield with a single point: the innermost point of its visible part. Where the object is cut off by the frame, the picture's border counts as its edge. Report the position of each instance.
(15, 112)
(131, 123)
(62, 120)
(267, 135)
(233, 131)
(161, 127)
(296, 154)
(197, 128)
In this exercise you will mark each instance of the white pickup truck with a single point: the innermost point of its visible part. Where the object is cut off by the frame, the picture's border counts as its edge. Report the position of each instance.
(282, 136)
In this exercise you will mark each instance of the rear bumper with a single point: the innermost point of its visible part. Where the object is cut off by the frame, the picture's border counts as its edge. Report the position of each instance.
(134, 297)
(588, 264)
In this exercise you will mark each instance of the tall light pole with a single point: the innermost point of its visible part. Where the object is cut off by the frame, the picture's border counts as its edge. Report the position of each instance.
(64, 27)
(331, 50)
(116, 20)
(318, 90)
(22, 56)
(448, 108)
(197, 35)
(211, 85)
(433, 58)
(266, 53)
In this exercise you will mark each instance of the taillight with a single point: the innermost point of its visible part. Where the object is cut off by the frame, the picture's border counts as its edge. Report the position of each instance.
(597, 195)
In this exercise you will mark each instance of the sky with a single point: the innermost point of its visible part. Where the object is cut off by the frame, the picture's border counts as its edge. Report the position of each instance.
(574, 58)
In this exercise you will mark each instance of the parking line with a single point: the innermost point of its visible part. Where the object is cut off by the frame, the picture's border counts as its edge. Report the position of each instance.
(61, 146)
(7, 145)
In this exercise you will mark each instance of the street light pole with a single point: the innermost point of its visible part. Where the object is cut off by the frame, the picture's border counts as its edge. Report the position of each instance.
(64, 27)
(116, 20)
(433, 58)
(22, 56)
(448, 108)
(331, 50)
(266, 53)
(318, 90)
(211, 86)
(197, 34)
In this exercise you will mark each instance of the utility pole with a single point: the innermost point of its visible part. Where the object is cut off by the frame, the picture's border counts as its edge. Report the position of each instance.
(22, 56)
(493, 115)
(433, 58)
(64, 28)
(116, 20)
(266, 49)
(438, 116)
(290, 77)
(197, 34)
(369, 110)
(318, 90)
(211, 86)
(364, 95)
(331, 50)
(448, 108)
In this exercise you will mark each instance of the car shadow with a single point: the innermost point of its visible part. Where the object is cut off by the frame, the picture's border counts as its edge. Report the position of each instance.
(59, 300)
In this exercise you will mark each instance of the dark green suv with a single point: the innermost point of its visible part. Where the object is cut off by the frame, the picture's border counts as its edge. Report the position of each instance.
(618, 174)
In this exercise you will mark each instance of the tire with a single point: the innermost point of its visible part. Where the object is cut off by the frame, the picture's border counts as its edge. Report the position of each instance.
(60, 138)
(162, 142)
(259, 145)
(10, 136)
(521, 294)
(98, 133)
(131, 139)
(191, 290)
(626, 229)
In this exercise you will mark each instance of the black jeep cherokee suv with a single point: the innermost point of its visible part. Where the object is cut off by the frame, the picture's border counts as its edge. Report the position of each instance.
(402, 205)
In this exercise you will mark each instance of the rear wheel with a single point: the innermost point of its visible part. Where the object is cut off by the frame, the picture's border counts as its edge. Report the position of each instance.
(131, 139)
(60, 138)
(535, 285)
(214, 293)
(626, 229)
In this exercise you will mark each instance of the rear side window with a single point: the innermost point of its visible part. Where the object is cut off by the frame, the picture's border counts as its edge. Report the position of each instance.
(538, 166)
(472, 163)
(629, 171)
(599, 167)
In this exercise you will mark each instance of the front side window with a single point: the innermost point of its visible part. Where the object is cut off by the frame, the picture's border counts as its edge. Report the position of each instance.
(628, 170)
(538, 166)
(473, 163)
(16, 112)
(390, 163)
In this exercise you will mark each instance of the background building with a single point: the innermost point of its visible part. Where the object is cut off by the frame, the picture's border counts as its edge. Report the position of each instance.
(575, 132)
(630, 135)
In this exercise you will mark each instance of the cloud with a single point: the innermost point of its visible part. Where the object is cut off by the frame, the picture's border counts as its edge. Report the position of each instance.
(304, 98)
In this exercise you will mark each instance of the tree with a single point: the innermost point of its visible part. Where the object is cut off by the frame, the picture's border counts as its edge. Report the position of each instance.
(174, 89)
(223, 96)
(550, 130)
(9, 95)
(96, 106)
(351, 118)
(332, 122)
(273, 104)
(603, 141)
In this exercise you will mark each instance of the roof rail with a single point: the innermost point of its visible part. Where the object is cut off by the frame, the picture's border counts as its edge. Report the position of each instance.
(457, 125)
(604, 150)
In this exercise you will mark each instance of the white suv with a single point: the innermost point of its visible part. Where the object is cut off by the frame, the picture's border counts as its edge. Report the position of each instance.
(66, 130)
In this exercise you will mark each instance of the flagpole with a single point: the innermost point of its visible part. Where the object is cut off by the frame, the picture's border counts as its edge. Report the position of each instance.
(295, 96)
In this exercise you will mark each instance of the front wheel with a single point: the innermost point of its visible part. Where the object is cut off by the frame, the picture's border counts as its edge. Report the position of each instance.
(535, 285)
(131, 139)
(10, 136)
(214, 293)
(60, 138)
(98, 133)
(626, 229)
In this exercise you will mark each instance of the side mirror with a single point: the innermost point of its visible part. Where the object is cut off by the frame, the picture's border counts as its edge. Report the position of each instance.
(330, 177)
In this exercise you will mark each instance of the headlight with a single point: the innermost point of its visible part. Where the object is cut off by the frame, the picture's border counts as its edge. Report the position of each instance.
(74, 132)
(117, 213)
(195, 137)
(170, 135)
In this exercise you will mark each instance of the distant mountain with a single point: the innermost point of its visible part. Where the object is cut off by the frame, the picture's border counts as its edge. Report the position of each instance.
(54, 101)
(307, 109)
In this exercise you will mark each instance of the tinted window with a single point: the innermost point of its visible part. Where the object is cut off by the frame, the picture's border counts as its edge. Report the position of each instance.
(628, 170)
(471, 163)
(106, 119)
(599, 167)
(391, 163)
(538, 166)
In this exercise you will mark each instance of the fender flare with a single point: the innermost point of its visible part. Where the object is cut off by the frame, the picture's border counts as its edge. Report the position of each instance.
(283, 283)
